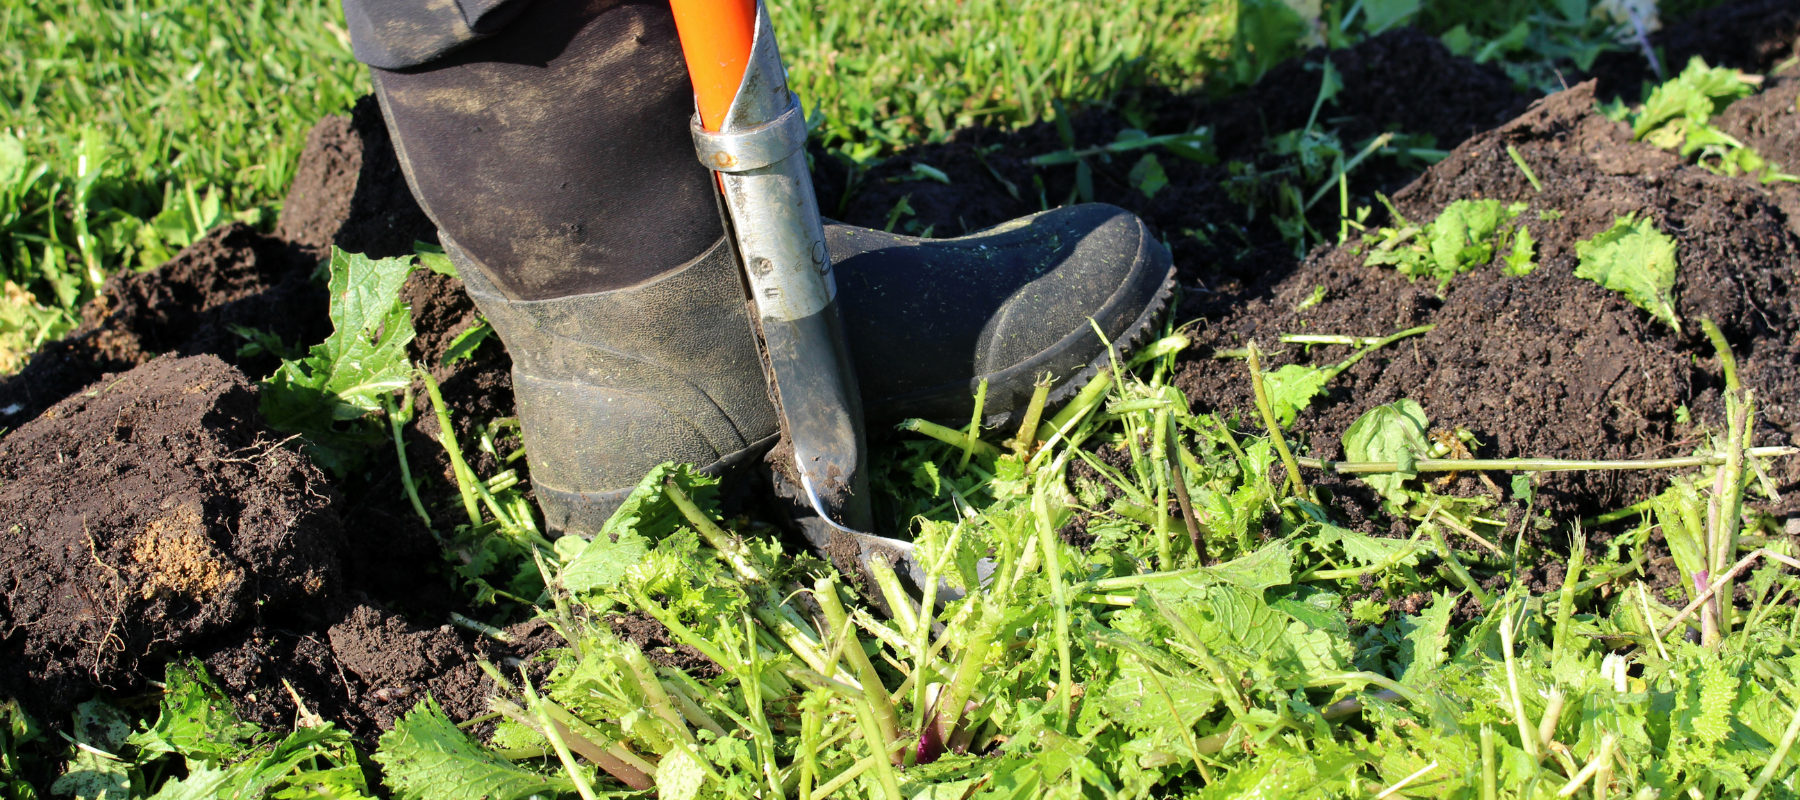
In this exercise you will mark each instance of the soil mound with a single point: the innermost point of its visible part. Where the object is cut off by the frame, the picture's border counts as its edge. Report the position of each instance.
(1547, 364)
(144, 515)
(348, 191)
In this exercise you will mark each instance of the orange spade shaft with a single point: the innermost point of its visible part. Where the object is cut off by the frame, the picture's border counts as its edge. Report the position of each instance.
(715, 40)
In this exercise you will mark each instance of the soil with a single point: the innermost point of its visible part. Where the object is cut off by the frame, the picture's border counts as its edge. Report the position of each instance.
(1547, 365)
(191, 530)
(163, 512)
(1755, 36)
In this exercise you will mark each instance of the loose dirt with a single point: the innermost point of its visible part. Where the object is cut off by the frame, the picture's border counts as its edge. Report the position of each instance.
(145, 515)
(1546, 365)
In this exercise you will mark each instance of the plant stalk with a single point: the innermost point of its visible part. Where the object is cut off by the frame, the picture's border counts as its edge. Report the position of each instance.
(1534, 464)
(1528, 740)
(465, 477)
(1059, 594)
(1296, 484)
(973, 434)
(887, 720)
(1774, 764)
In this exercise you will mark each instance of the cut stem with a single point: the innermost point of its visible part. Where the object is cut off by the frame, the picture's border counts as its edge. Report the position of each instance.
(1059, 594)
(950, 436)
(1296, 484)
(1534, 464)
(465, 477)
(973, 434)
(1027, 437)
(1519, 160)
(887, 720)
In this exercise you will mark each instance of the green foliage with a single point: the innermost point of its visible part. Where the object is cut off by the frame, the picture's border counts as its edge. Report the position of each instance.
(1635, 259)
(197, 749)
(1531, 40)
(1466, 234)
(646, 517)
(196, 721)
(1690, 99)
(329, 396)
(1393, 432)
(1677, 116)
(1293, 387)
(425, 757)
(943, 64)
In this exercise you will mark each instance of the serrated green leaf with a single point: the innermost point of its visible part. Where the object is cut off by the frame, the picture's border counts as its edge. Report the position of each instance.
(646, 516)
(1366, 550)
(1465, 235)
(1635, 259)
(1292, 388)
(91, 776)
(1520, 262)
(196, 721)
(1145, 700)
(327, 396)
(1392, 432)
(1427, 644)
(1695, 95)
(425, 757)
(679, 776)
(202, 783)
(1272, 565)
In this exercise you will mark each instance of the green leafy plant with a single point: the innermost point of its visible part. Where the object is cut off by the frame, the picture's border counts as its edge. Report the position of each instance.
(1465, 235)
(199, 749)
(1677, 116)
(1635, 259)
(331, 396)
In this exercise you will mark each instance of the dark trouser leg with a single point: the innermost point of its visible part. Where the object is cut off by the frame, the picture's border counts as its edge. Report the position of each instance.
(555, 159)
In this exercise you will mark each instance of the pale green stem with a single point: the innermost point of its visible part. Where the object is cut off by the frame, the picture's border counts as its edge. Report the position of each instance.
(1296, 484)
(1026, 440)
(465, 477)
(1527, 736)
(395, 424)
(735, 552)
(556, 742)
(950, 436)
(1774, 764)
(973, 434)
(1059, 594)
(825, 593)
(1533, 464)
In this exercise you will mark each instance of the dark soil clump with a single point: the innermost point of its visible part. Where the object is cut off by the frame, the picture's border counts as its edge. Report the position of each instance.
(1547, 365)
(167, 515)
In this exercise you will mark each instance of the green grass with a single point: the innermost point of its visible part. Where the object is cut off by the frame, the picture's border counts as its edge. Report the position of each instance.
(112, 113)
(879, 74)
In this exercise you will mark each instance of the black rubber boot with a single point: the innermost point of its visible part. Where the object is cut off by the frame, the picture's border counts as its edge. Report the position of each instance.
(555, 159)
